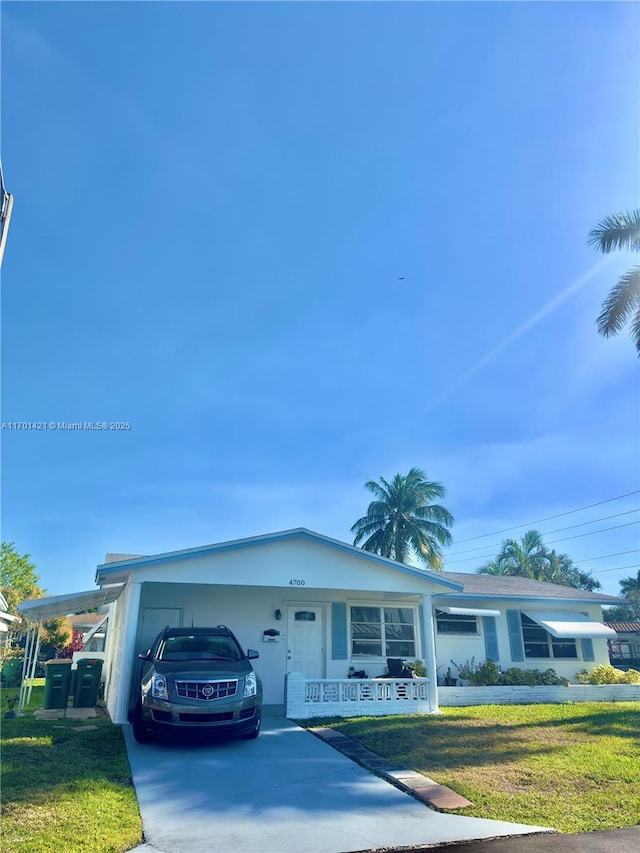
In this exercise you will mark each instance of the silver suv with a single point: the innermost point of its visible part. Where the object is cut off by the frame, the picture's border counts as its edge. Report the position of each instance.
(198, 680)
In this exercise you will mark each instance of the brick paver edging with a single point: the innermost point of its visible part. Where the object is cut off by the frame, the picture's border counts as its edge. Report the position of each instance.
(410, 781)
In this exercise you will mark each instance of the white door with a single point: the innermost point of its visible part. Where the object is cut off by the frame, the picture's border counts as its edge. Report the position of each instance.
(154, 619)
(305, 641)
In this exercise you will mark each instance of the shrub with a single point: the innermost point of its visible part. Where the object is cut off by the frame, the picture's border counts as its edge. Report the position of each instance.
(533, 677)
(418, 668)
(483, 675)
(608, 675)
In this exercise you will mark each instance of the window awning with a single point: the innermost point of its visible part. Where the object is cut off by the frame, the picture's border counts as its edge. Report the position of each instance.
(44, 609)
(569, 625)
(468, 611)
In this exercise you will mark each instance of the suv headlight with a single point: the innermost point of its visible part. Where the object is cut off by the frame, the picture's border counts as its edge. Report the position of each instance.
(159, 687)
(250, 685)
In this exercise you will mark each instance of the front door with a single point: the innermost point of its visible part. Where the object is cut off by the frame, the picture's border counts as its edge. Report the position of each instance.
(305, 641)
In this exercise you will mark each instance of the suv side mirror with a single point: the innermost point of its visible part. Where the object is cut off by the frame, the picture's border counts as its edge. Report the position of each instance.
(252, 654)
(145, 655)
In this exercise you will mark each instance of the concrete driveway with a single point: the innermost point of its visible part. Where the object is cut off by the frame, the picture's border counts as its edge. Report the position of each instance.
(286, 792)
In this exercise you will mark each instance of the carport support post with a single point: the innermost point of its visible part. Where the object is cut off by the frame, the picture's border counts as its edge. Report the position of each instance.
(429, 646)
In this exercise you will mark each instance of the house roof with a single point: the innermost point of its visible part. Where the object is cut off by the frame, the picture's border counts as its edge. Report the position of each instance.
(624, 627)
(108, 570)
(506, 586)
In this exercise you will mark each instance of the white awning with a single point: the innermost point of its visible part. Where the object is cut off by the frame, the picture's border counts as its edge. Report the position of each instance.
(469, 611)
(569, 625)
(44, 609)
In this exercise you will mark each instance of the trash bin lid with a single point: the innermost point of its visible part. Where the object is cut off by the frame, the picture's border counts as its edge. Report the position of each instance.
(58, 661)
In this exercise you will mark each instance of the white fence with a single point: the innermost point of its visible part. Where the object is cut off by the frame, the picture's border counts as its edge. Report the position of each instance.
(458, 696)
(354, 697)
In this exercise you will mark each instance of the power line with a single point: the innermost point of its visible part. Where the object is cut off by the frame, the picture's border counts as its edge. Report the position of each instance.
(606, 556)
(557, 530)
(555, 541)
(549, 517)
(617, 569)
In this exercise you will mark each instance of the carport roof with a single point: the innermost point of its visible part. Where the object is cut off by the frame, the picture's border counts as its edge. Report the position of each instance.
(121, 570)
(44, 609)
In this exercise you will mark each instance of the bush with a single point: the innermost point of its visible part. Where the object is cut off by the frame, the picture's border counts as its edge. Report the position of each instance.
(534, 678)
(489, 674)
(418, 668)
(608, 675)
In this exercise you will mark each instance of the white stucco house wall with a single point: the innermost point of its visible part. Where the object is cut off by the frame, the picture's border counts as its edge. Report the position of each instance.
(316, 606)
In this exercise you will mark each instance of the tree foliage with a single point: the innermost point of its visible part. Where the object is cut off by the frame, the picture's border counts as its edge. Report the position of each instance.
(630, 610)
(18, 578)
(621, 231)
(530, 558)
(403, 523)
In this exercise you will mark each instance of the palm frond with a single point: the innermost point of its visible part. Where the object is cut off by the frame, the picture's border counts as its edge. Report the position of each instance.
(622, 301)
(619, 231)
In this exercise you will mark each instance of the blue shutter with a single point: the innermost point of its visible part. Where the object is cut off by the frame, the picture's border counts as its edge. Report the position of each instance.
(339, 631)
(515, 635)
(490, 638)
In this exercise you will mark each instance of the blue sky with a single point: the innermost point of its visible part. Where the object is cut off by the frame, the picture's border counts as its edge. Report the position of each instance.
(214, 203)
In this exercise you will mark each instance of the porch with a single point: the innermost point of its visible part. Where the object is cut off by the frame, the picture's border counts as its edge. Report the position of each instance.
(307, 698)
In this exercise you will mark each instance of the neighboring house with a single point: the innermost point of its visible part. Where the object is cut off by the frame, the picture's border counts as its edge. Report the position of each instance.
(317, 606)
(624, 648)
(5, 618)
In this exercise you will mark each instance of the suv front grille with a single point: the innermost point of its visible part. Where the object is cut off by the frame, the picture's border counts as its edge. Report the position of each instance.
(206, 690)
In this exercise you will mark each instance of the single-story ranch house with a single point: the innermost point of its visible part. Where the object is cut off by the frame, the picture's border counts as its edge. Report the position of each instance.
(323, 609)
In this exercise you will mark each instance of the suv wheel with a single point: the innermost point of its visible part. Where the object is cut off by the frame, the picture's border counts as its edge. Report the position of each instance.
(255, 731)
(140, 731)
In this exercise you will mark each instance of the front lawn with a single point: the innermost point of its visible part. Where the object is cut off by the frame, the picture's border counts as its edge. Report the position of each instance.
(65, 790)
(573, 767)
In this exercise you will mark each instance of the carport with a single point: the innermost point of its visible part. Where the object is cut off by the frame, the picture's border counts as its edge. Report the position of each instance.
(39, 611)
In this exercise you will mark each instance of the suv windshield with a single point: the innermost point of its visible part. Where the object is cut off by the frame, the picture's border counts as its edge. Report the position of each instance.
(199, 647)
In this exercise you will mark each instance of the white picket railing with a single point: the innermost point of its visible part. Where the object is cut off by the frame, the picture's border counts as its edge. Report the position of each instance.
(331, 697)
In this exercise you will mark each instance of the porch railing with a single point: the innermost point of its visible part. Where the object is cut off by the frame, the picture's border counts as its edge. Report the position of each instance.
(327, 697)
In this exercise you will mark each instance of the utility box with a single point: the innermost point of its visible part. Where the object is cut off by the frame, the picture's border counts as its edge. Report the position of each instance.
(57, 682)
(87, 683)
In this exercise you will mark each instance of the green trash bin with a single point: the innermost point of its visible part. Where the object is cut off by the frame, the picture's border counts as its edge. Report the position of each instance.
(56, 684)
(87, 683)
(11, 672)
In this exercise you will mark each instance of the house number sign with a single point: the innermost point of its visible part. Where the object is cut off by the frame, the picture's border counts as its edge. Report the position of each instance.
(296, 582)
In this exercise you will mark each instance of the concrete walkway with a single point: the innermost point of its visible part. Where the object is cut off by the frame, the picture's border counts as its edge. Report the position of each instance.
(286, 792)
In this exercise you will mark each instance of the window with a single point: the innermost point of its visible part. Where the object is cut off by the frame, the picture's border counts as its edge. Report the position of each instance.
(305, 616)
(382, 632)
(538, 643)
(449, 623)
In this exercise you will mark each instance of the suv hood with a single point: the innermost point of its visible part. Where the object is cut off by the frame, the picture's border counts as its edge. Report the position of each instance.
(203, 668)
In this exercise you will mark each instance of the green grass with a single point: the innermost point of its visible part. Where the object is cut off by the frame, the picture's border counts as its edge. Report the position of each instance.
(573, 767)
(65, 790)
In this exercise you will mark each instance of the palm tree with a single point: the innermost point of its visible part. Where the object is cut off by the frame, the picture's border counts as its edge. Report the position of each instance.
(526, 558)
(402, 523)
(621, 231)
(530, 558)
